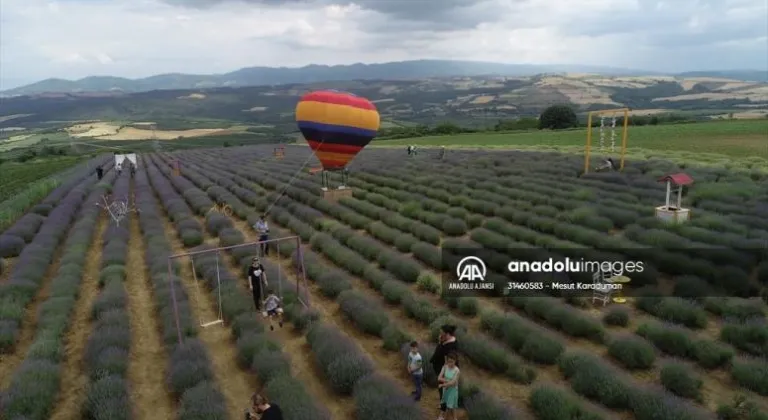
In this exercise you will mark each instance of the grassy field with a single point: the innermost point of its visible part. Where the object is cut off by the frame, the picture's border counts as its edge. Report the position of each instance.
(731, 138)
(15, 177)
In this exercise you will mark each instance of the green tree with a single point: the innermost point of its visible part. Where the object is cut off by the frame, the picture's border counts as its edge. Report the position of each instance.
(558, 117)
(447, 128)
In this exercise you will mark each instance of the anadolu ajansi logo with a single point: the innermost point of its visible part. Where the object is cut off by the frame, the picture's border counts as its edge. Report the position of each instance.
(471, 268)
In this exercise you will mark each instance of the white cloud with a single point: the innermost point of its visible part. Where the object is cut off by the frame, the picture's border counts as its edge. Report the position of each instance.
(138, 38)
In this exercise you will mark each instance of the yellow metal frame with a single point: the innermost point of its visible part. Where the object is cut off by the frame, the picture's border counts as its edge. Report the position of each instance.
(625, 128)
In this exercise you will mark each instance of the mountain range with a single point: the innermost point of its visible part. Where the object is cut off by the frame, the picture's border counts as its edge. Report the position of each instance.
(402, 70)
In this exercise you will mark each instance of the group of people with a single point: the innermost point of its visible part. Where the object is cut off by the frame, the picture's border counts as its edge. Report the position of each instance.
(412, 152)
(119, 168)
(131, 168)
(257, 280)
(445, 362)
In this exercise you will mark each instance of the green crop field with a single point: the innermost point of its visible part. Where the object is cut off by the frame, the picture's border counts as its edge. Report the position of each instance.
(730, 138)
(15, 177)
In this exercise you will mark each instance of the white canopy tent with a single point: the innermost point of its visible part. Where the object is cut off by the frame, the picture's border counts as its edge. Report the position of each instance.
(120, 159)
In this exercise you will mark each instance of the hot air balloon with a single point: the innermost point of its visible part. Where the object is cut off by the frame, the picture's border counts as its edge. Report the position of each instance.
(337, 126)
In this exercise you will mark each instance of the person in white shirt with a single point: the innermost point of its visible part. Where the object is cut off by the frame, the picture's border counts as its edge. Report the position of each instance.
(608, 165)
(263, 230)
(416, 369)
(272, 309)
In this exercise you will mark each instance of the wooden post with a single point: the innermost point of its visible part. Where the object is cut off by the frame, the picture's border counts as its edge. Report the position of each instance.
(624, 139)
(589, 143)
(669, 192)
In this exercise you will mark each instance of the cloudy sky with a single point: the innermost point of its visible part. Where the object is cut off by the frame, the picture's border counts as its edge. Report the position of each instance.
(137, 38)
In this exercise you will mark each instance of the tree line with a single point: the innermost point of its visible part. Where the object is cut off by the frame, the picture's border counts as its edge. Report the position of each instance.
(556, 117)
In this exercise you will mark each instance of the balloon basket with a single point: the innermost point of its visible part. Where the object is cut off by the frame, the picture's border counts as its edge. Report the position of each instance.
(334, 194)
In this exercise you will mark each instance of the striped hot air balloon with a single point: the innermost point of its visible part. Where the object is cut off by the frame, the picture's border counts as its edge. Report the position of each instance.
(336, 125)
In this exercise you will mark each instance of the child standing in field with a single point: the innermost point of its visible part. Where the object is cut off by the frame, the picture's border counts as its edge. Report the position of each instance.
(449, 382)
(416, 369)
(272, 309)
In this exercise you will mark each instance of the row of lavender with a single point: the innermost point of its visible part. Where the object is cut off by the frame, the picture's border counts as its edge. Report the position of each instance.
(29, 272)
(36, 382)
(23, 231)
(370, 318)
(190, 372)
(106, 353)
(347, 369)
(289, 194)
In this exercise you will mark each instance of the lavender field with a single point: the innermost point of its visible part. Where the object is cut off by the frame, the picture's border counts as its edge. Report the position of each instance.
(95, 323)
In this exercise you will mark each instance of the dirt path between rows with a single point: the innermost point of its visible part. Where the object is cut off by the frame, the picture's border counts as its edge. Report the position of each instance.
(150, 397)
(74, 379)
(8, 264)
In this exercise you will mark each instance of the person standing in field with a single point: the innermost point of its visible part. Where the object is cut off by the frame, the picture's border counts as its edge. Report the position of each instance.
(447, 344)
(99, 172)
(257, 280)
(133, 170)
(263, 229)
(416, 369)
(448, 382)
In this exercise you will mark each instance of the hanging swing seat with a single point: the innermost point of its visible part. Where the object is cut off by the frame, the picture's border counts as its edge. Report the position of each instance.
(313, 171)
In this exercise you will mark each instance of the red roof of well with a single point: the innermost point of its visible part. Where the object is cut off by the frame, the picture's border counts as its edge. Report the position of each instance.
(679, 179)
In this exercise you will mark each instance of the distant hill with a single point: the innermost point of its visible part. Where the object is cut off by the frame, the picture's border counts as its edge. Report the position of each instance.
(260, 76)
(745, 75)
(467, 100)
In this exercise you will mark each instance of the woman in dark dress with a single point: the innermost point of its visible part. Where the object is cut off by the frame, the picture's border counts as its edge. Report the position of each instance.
(447, 344)
(257, 280)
